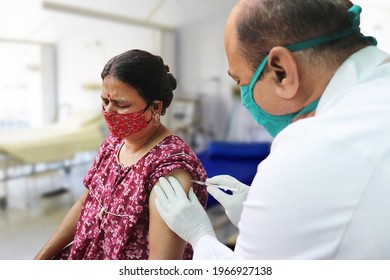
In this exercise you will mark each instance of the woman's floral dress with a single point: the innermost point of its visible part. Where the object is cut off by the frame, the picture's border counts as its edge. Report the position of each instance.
(114, 221)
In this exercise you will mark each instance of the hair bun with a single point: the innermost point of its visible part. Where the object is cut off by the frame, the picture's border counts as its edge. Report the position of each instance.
(172, 81)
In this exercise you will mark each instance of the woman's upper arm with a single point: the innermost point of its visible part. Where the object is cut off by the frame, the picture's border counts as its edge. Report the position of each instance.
(163, 242)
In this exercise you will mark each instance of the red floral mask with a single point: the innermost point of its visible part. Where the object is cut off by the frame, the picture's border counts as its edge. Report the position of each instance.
(123, 125)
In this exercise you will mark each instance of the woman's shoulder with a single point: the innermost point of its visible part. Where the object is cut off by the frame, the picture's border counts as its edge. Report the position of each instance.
(173, 144)
(173, 140)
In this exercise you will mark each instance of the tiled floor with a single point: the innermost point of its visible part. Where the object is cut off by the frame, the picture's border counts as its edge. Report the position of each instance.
(30, 219)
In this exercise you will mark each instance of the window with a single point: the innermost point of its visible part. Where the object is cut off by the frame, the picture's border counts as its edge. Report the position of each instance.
(25, 85)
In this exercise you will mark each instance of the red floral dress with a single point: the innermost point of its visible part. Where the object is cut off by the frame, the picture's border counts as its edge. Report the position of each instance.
(120, 231)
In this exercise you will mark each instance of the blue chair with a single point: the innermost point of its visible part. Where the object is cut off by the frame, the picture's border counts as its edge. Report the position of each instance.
(239, 160)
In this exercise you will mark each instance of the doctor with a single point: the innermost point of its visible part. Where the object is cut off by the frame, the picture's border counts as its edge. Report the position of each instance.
(322, 89)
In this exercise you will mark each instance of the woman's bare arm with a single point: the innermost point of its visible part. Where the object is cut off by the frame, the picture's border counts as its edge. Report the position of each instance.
(64, 233)
(163, 242)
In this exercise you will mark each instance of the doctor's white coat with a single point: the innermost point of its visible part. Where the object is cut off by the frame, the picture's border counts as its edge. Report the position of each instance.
(324, 190)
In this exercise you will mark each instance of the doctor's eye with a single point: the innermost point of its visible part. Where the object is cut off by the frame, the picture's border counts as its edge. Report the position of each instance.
(238, 82)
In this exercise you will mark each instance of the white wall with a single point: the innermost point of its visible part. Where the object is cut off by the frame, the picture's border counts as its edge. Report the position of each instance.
(375, 21)
(195, 53)
(202, 67)
(82, 47)
(83, 54)
(197, 59)
(49, 83)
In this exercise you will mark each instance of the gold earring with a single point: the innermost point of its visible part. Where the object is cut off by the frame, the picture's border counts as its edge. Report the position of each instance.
(156, 118)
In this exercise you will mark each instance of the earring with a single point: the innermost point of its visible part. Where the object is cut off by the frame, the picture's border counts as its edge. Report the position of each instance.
(156, 118)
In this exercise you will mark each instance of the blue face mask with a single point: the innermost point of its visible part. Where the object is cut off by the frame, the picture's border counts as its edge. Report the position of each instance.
(273, 123)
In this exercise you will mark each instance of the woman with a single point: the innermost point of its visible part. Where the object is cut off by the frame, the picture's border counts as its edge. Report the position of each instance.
(114, 218)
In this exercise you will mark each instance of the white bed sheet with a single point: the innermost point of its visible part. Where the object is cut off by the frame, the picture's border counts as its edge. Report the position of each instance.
(56, 142)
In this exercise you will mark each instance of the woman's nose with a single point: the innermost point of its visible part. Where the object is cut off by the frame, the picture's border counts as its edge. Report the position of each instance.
(108, 107)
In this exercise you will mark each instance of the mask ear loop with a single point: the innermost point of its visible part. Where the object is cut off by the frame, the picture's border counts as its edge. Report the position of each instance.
(146, 108)
(155, 116)
(354, 18)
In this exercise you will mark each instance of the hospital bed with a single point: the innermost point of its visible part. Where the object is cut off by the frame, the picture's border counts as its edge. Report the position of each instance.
(55, 143)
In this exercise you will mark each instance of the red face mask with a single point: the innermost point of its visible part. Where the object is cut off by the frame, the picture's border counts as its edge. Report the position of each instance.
(123, 125)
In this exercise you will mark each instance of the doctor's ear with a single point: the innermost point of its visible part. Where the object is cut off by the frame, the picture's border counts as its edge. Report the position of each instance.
(284, 65)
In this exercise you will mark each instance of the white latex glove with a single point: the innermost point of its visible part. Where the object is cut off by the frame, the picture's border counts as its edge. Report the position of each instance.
(183, 215)
(233, 203)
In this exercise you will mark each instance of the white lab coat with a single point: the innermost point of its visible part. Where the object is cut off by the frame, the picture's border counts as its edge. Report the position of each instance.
(324, 190)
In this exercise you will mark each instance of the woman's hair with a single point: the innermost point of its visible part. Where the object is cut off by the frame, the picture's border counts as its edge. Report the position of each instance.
(144, 71)
(269, 23)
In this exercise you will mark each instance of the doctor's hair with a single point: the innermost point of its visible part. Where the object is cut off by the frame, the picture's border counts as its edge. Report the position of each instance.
(264, 24)
(144, 71)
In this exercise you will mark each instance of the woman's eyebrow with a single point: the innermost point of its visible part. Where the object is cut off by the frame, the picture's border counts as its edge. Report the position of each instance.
(121, 101)
(117, 100)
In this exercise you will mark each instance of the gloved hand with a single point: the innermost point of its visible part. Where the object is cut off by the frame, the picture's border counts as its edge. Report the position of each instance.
(183, 215)
(233, 203)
